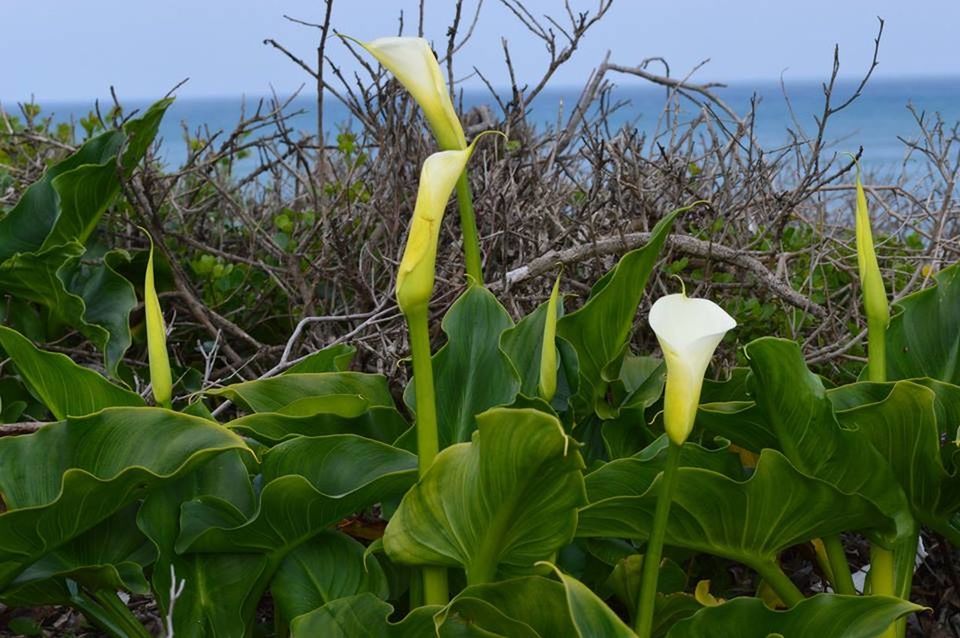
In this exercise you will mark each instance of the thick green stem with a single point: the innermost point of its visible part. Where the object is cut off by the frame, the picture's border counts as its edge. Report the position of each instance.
(468, 227)
(771, 573)
(883, 579)
(904, 565)
(842, 578)
(877, 349)
(651, 559)
(435, 588)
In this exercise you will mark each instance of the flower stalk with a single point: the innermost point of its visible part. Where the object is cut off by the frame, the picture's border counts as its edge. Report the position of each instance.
(689, 331)
(415, 280)
(883, 561)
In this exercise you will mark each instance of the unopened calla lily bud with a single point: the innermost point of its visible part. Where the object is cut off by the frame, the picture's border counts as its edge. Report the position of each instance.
(412, 62)
(874, 294)
(161, 379)
(547, 385)
(689, 331)
(415, 275)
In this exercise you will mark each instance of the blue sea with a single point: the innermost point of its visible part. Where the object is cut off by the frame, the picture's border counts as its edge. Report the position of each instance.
(876, 120)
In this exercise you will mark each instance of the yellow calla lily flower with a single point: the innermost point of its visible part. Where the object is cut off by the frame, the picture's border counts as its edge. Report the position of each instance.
(689, 331)
(412, 62)
(415, 276)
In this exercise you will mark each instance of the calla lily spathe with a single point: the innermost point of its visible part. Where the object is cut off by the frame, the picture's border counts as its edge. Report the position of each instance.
(161, 378)
(415, 276)
(874, 294)
(412, 62)
(689, 330)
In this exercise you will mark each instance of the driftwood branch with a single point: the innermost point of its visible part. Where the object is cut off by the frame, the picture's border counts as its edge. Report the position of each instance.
(682, 243)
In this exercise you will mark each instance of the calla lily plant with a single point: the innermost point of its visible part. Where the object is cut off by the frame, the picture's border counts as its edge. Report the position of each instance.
(415, 280)
(689, 331)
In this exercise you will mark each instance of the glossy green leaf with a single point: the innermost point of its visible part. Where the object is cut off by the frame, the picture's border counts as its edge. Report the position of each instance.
(599, 331)
(275, 393)
(327, 567)
(923, 338)
(743, 423)
(794, 404)
(903, 428)
(43, 236)
(635, 474)
(333, 359)
(363, 616)
(220, 591)
(534, 607)
(750, 521)
(65, 388)
(321, 416)
(471, 373)
(825, 615)
(93, 297)
(110, 556)
(309, 483)
(496, 505)
(25, 227)
(84, 469)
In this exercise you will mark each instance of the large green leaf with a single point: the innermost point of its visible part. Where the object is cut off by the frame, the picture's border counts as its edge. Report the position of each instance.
(275, 393)
(333, 359)
(534, 607)
(750, 521)
(65, 388)
(59, 279)
(743, 423)
(328, 566)
(67, 477)
(794, 403)
(110, 556)
(25, 227)
(43, 237)
(903, 428)
(633, 475)
(599, 331)
(495, 505)
(309, 484)
(471, 373)
(923, 338)
(363, 616)
(219, 591)
(824, 615)
(332, 414)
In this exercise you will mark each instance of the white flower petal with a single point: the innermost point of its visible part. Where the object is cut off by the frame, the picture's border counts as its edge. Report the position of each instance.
(689, 331)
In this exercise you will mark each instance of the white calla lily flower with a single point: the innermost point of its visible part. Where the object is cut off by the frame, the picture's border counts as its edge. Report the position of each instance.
(412, 62)
(689, 331)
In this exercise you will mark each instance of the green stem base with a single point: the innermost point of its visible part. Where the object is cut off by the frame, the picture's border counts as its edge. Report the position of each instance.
(650, 570)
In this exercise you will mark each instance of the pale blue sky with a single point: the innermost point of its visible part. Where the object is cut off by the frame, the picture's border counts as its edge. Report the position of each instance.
(63, 50)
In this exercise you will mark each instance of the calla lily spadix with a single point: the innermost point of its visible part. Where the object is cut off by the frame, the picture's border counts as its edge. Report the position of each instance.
(412, 62)
(689, 330)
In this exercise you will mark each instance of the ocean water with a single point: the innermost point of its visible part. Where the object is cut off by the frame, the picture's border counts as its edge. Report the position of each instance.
(875, 121)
